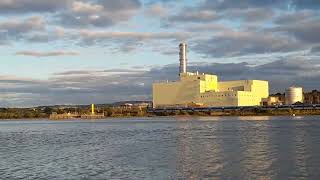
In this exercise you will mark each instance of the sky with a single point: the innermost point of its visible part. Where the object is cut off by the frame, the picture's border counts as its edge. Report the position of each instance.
(103, 51)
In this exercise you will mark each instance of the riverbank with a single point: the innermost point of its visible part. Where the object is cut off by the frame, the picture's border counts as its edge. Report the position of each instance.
(130, 113)
(253, 112)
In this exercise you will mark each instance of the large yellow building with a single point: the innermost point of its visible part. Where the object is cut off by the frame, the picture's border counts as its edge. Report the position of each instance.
(206, 90)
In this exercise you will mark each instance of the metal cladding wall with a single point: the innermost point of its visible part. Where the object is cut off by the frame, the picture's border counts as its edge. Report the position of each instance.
(294, 95)
(204, 90)
(236, 93)
(173, 94)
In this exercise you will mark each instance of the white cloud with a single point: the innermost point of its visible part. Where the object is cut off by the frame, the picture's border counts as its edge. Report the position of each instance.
(86, 8)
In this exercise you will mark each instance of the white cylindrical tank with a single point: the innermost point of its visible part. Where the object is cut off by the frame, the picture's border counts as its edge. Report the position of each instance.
(294, 95)
(183, 57)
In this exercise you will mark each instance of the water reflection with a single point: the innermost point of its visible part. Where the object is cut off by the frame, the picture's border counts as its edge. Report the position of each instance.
(300, 151)
(224, 118)
(254, 118)
(211, 150)
(183, 118)
(298, 117)
(257, 152)
(198, 151)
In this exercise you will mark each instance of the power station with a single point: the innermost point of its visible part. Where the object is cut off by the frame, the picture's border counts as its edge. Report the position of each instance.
(199, 89)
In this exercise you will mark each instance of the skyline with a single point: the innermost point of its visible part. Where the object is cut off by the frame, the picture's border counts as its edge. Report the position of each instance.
(101, 51)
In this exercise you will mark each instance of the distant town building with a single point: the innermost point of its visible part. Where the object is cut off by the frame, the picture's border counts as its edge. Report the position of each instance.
(273, 100)
(138, 105)
(312, 97)
(126, 106)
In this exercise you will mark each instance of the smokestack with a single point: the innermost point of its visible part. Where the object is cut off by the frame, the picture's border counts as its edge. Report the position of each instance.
(183, 57)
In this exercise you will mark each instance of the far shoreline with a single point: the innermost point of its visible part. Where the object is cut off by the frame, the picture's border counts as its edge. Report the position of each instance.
(149, 117)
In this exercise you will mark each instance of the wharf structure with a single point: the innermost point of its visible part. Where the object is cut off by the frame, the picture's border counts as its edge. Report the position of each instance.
(75, 115)
(55, 116)
(93, 114)
(204, 90)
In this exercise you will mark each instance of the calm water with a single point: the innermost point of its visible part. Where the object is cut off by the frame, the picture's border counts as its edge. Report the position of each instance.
(162, 148)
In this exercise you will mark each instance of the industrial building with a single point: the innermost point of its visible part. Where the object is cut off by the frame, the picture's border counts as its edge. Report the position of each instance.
(199, 89)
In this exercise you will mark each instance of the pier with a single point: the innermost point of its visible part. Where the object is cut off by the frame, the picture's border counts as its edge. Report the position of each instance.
(92, 115)
(55, 116)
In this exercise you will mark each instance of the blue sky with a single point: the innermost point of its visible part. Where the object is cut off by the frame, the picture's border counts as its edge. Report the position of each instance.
(84, 51)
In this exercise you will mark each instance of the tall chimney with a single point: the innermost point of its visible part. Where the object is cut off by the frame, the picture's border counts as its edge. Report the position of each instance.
(183, 57)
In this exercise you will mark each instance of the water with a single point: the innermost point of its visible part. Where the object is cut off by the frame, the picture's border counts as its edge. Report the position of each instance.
(162, 148)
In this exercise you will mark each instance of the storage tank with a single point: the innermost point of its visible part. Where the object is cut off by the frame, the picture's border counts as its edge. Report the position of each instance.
(183, 57)
(293, 95)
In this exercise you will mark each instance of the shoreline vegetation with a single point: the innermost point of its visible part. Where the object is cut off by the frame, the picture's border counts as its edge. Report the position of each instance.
(112, 112)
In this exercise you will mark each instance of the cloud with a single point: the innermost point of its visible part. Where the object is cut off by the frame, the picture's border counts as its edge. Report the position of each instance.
(50, 35)
(94, 35)
(248, 27)
(194, 16)
(86, 8)
(249, 14)
(315, 49)
(17, 80)
(205, 24)
(230, 29)
(208, 27)
(109, 85)
(306, 31)
(30, 29)
(217, 31)
(129, 41)
(16, 27)
(237, 43)
(32, 6)
(102, 13)
(98, 72)
(47, 54)
(283, 4)
(70, 20)
(282, 73)
(115, 5)
(305, 4)
(156, 10)
(295, 17)
(209, 15)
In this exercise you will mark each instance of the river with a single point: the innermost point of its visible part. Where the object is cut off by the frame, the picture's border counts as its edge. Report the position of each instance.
(162, 148)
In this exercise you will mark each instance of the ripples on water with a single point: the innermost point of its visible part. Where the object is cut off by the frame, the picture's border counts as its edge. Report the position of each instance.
(162, 148)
